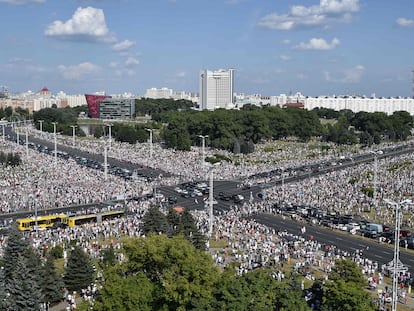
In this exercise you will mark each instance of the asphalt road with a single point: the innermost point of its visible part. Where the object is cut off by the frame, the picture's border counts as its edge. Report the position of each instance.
(381, 253)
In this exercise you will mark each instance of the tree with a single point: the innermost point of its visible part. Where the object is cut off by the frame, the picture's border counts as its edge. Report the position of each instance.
(155, 221)
(348, 271)
(79, 272)
(167, 273)
(340, 295)
(51, 282)
(23, 290)
(16, 246)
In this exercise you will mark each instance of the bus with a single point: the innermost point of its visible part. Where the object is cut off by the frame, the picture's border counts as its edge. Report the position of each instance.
(93, 218)
(42, 222)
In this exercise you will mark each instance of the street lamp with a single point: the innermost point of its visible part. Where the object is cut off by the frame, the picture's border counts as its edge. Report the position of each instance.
(41, 126)
(73, 134)
(27, 142)
(150, 140)
(54, 136)
(203, 146)
(396, 260)
(211, 199)
(109, 132)
(374, 194)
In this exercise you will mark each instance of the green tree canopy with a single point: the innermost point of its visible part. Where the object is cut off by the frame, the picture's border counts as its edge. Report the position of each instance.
(79, 272)
(170, 272)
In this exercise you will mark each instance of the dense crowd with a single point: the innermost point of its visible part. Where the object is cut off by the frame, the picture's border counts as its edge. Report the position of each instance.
(39, 183)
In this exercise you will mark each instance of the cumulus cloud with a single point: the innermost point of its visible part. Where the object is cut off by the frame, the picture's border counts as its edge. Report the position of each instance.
(86, 24)
(404, 22)
(285, 57)
(351, 75)
(123, 46)
(131, 62)
(79, 72)
(21, 2)
(323, 15)
(318, 44)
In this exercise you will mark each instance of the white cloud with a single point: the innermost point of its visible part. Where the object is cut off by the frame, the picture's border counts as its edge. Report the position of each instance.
(301, 76)
(21, 2)
(318, 44)
(181, 74)
(285, 57)
(286, 41)
(131, 62)
(323, 15)
(403, 22)
(85, 24)
(351, 75)
(123, 46)
(79, 72)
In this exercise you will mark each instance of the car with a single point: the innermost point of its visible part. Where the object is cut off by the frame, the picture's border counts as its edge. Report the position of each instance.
(352, 227)
(407, 241)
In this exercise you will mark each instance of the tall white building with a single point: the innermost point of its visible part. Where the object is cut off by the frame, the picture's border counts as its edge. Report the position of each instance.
(216, 89)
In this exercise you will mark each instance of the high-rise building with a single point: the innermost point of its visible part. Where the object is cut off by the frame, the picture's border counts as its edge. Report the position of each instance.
(216, 89)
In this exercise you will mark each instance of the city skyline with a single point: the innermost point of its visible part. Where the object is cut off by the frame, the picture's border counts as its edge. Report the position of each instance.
(315, 47)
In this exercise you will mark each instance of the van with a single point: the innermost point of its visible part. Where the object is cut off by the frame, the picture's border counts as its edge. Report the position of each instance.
(375, 227)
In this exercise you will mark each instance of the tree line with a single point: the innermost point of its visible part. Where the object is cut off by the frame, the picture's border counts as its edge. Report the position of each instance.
(179, 126)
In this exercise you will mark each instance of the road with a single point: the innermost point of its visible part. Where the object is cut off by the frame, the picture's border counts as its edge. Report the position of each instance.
(381, 253)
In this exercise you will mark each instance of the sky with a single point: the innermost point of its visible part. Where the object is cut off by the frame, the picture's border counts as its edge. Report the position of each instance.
(316, 47)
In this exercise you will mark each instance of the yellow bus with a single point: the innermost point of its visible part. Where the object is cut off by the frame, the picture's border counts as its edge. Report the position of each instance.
(43, 222)
(93, 218)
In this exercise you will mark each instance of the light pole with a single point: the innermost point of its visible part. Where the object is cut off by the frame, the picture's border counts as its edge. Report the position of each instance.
(27, 141)
(55, 140)
(150, 141)
(203, 146)
(109, 125)
(105, 162)
(396, 260)
(4, 138)
(73, 134)
(41, 126)
(374, 193)
(211, 200)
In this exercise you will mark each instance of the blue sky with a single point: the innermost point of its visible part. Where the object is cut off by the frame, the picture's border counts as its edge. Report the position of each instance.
(317, 47)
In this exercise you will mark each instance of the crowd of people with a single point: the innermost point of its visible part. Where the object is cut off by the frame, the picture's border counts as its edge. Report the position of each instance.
(41, 184)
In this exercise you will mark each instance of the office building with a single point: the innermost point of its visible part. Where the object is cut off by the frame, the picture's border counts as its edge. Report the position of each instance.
(216, 89)
(117, 108)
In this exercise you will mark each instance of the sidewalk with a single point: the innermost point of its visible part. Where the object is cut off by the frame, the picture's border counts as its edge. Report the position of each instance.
(410, 296)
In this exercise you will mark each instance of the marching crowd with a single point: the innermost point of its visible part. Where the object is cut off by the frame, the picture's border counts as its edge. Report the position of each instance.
(39, 183)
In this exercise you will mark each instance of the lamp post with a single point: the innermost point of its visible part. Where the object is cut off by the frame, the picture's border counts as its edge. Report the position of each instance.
(73, 134)
(211, 199)
(374, 193)
(150, 141)
(203, 146)
(27, 141)
(55, 140)
(109, 125)
(396, 259)
(105, 162)
(4, 138)
(41, 126)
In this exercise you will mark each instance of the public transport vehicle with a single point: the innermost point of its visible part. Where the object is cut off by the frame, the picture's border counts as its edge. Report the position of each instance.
(93, 218)
(63, 220)
(42, 222)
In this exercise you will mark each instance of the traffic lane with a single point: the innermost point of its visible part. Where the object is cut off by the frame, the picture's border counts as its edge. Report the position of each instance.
(372, 250)
(147, 171)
